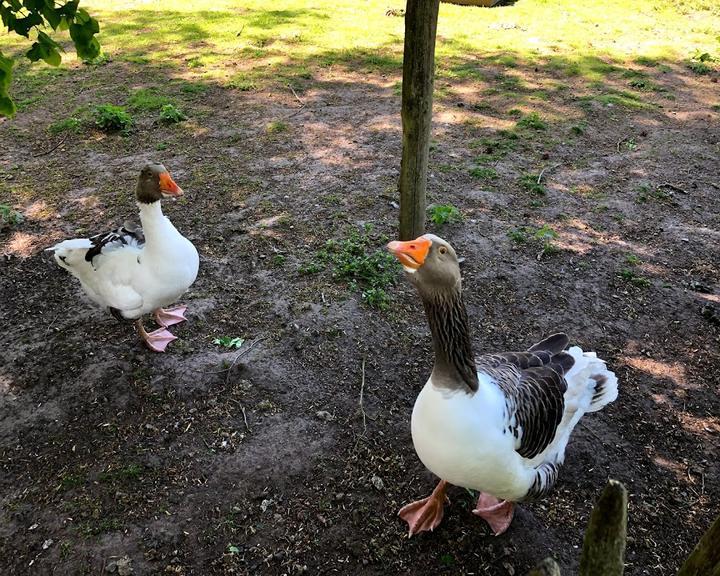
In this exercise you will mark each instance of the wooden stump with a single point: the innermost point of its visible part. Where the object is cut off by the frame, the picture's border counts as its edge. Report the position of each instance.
(603, 550)
(705, 557)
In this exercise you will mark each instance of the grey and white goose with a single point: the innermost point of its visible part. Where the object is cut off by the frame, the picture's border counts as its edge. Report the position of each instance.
(133, 272)
(497, 423)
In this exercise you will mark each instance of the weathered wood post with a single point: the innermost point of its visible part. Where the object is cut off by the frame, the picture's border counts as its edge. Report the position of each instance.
(603, 550)
(705, 557)
(421, 18)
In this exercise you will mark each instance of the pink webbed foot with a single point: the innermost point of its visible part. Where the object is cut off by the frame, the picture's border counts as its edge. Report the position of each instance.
(425, 514)
(497, 513)
(170, 316)
(157, 340)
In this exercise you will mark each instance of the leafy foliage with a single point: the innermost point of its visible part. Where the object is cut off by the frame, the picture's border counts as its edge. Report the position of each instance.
(110, 118)
(356, 260)
(441, 214)
(229, 341)
(171, 114)
(9, 217)
(32, 15)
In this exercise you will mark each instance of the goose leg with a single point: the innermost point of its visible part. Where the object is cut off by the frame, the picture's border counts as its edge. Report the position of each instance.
(497, 513)
(170, 316)
(156, 340)
(426, 514)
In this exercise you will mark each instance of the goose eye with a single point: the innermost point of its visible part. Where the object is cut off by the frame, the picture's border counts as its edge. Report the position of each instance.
(442, 250)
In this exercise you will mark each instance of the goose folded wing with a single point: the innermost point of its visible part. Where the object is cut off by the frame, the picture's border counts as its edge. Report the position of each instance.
(534, 389)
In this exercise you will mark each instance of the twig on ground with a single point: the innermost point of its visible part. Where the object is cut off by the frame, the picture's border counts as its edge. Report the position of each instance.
(296, 96)
(620, 142)
(547, 169)
(241, 353)
(53, 148)
(672, 187)
(362, 392)
(242, 408)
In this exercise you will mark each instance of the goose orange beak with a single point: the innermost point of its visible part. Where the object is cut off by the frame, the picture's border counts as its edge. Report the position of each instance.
(412, 253)
(168, 186)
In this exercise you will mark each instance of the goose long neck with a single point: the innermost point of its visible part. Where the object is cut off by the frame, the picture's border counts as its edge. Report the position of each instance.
(454, 361)
(154, 224)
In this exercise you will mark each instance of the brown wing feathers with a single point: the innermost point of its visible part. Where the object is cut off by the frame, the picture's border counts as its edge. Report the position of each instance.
(534, 385)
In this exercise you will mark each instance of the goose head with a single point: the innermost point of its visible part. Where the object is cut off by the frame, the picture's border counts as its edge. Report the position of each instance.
(429, 262)
(155, 183)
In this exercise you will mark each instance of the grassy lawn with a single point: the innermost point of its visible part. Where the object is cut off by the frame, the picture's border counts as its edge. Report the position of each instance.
(249, 46)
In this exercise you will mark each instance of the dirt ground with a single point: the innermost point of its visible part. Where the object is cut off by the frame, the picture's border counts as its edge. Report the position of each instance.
(264, 460)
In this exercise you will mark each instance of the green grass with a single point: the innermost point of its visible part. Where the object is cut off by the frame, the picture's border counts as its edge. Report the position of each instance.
(541, 238)
(277, 127)
(532, 121)
(441, 214)
(147, 100)
(529, 183)
(632, 277)
(65, 125)
(483, 173)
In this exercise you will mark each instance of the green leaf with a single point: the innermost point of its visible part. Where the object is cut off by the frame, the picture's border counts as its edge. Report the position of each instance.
(83, 33)
(229, 342)
(7, 107)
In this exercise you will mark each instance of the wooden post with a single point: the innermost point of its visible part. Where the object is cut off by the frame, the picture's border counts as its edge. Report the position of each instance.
(547, 567)
(421, 18)
(603, 550)
(705, 557)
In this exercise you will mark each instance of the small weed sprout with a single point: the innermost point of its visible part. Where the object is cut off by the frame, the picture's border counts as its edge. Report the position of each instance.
(532, 121)
(441, 214)
(170, 114)
(229, 341)
(9, 217)
(65, 125)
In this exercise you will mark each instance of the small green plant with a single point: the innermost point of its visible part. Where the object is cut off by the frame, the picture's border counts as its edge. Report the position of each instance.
(9, 217)
(647, 193)
(441, 214)
(278, 260)
(700, 68)
(531, 183)
(277, 126)
(242, 82)
(110, 118)
(519, 235)
(356, 260)
(532, 121)
(65, 125)
(483, 173)
(633, 278)
(100, 60)
(229, 341)
(632, 259)
(715, 107)
(578, 129)
(232, 549)
(170, 114)
(545, 236)
(495, 148)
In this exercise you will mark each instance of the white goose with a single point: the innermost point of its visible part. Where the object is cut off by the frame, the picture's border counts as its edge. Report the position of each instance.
(133, 272)
(498, 423)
